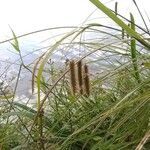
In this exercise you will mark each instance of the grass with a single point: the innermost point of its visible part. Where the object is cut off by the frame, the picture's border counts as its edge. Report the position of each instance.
(79, 107)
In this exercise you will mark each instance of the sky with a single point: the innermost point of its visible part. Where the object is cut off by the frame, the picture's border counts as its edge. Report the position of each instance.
(28, 15)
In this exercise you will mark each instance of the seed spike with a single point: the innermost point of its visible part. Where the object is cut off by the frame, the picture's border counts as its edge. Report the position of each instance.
(116, 8)
(80, 76)
(86, 81)
(122, 33)
(72, 76)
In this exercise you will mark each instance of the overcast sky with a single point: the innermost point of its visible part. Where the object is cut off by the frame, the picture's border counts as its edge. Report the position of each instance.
(28, 15)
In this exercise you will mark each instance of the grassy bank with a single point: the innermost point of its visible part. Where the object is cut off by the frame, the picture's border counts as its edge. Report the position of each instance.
(98, 100)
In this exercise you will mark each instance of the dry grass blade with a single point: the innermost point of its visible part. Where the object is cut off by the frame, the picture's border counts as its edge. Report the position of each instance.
(143, 141)
(135, 3)
(34, 70)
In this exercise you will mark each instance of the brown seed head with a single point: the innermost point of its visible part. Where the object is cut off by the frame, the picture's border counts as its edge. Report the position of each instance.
(72, 76)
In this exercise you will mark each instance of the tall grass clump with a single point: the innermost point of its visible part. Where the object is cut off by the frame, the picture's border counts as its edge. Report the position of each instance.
(98, 100)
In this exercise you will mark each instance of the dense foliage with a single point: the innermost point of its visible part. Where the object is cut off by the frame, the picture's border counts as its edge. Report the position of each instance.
(98, 100)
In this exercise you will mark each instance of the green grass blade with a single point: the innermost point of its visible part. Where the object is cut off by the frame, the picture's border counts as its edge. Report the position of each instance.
(134, 52)
(118, 21)
(43, 62)
(30, 113)
(15, 43)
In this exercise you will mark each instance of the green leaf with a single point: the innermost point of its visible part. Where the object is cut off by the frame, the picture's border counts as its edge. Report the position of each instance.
(15, 42)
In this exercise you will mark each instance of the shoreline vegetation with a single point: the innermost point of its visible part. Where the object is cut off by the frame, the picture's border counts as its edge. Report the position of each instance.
(76, 108)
